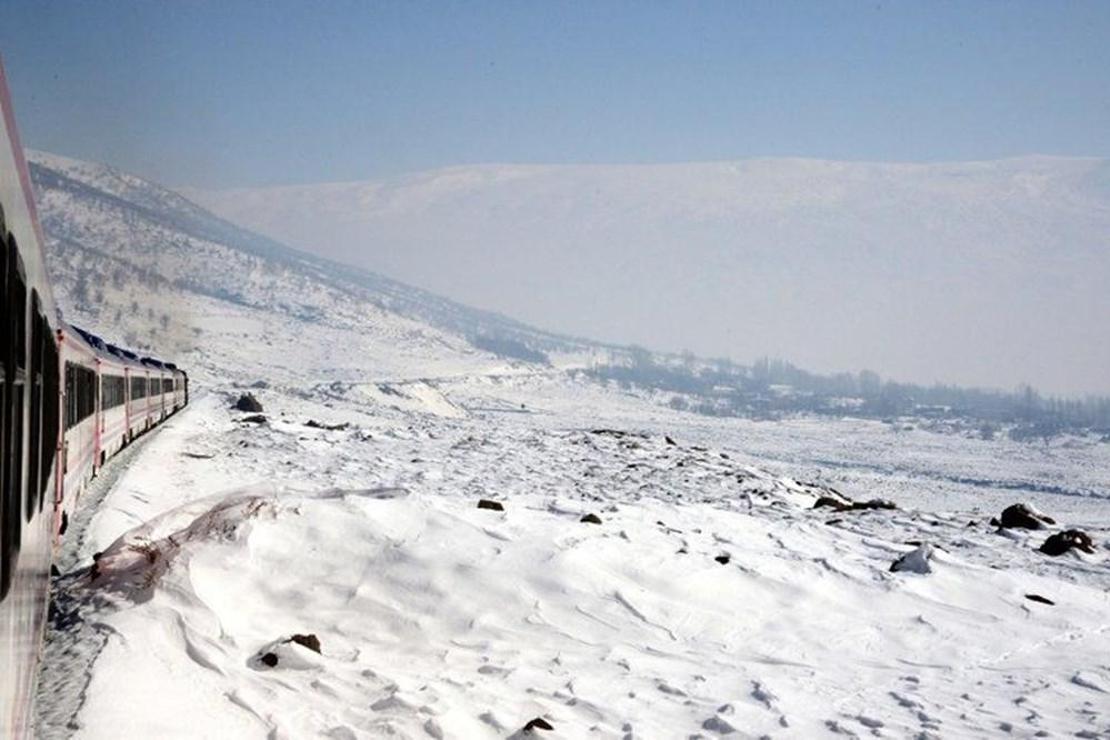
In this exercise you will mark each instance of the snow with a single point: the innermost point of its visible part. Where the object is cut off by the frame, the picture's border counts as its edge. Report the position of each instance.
(215, 541)
(439, 619)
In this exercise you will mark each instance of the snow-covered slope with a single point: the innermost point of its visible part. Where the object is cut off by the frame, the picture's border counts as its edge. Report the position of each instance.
(158, 270)
(920, 271)
(708, 599)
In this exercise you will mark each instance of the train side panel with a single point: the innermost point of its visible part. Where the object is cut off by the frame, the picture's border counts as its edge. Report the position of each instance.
(29, 380)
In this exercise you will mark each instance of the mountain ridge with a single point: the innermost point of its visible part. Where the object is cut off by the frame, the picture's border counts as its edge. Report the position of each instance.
(786, 257)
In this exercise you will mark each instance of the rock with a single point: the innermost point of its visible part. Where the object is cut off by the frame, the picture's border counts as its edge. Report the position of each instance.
(538, 723)
(309, 641)
(269, 659)
(843, 504)
(247, 402)
(670, 441)
(1061, 542)
(1040, 599)
(491, 505)
(916, 561)
(590, 519)
(1022, 516)
(260, 384)
(254, 419)
(718, 725)
(875, 503)
(723, 558)
(312, 423)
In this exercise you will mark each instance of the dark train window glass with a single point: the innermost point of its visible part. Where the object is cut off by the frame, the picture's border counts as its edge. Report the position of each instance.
(35, 432)
(49, 408)
(80, 393)
(5, 352)
(111, 391)
(11, 496)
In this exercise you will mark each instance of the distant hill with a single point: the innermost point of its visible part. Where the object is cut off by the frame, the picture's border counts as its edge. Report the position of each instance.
(985, 273)
(149, 268)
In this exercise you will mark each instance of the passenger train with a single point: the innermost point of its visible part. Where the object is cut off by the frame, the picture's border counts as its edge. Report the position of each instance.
(69, 401)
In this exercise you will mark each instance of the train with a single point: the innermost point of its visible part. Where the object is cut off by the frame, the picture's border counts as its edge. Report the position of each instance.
(69, 402)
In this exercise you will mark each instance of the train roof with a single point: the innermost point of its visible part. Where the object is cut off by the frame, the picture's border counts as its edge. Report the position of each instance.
(115, 353)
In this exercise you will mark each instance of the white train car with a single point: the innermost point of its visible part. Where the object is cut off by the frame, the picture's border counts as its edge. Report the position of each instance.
(29, 419)
(69, 402)
(80, 439)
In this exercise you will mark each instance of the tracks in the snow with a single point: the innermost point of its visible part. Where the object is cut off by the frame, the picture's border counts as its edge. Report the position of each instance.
(74, 637)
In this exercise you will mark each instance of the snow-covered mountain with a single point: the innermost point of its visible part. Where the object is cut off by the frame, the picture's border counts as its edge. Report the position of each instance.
(140, 261)
(323, 569)
(924, 272)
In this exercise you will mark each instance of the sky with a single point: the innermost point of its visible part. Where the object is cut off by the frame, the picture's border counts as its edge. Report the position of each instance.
(209, 96)
(224, 94)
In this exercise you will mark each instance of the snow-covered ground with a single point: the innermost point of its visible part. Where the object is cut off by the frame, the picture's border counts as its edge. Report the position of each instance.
(435, 618)
(709, 599)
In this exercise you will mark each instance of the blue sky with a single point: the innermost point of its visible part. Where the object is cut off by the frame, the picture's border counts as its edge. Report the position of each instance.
(221, 94)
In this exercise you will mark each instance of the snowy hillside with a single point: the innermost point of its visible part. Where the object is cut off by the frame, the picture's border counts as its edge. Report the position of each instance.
(650, 573)
(116, 240)
(921, 271)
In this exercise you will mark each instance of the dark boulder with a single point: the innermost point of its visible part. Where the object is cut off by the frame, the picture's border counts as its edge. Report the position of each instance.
(875, 503)
(539, 723)
(669, 440)
(723, 558)
(269, 659)
(254, 419)
(309, 641)
(247, 402)
(832, 503)
(590, 519)
(313, 424)
(1022, 516)
(1040, 599)
(1061, 542)
(491, 505)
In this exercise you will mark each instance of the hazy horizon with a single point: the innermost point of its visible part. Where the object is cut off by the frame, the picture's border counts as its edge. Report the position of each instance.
(919, 189)
(983, 274)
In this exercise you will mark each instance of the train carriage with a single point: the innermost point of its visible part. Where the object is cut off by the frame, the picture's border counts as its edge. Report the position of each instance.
(68, 403)
(29, 414)
(80, 441)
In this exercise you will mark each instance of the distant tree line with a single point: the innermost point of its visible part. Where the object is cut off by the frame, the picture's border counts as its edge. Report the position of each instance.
(509, 348)
(771, 388)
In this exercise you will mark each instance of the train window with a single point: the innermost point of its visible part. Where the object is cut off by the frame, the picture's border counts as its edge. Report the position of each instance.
(35, 382)
(11, 497)
(80, 393)
(138, 388)
(5, 371)
(111, 391)
(49, 407)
